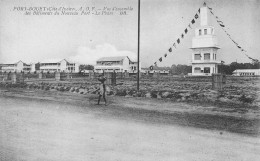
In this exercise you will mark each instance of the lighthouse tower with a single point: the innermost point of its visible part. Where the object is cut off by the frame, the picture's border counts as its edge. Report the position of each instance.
(204, 47)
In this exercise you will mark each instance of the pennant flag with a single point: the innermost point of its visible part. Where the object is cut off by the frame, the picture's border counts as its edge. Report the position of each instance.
(155, 63)
(170, 50)
(238, 46)
(178, 41)
(160, 59)
(151, 67)
(165, 55)
(174, 45)
(199, 10)
(190, 26)
(196, 16)
(186, 30)
(216, 17)
(192, 21)
(182, 36)
(222, 25)
(209, 8)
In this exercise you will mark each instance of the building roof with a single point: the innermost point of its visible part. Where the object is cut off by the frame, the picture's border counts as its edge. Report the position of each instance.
(115, 58)
(54, 61)
(14, 63)
(246, 70)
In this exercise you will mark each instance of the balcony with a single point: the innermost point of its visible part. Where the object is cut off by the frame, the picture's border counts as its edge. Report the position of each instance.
(206, 61)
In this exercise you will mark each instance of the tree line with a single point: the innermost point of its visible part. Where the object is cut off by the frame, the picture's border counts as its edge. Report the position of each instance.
(223, 68)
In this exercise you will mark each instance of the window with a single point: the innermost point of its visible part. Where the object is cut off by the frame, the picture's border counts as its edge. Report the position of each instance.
(197, 70)
(197, 57)
(207, 56)
(205, 31)
(207, 70)
(199, 32)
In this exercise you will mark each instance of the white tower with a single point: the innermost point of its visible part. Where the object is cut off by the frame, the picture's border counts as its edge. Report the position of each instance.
(204, 47)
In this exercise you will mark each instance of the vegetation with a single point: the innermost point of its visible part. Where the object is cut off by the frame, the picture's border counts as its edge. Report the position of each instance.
(229, 69)
(86, 67)
(225, 69)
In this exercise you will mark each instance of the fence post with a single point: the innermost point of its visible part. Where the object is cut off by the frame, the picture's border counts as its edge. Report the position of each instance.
(40, 75)
(126, 74)
(113, 81)
(14, 78)
(217, 81)
(57, 76)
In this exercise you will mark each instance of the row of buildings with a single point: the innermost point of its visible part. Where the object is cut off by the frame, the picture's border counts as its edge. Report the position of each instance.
(46, 66)
(104, 64)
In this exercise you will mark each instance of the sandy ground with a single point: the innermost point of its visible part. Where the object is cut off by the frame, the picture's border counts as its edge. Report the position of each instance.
(46, 130)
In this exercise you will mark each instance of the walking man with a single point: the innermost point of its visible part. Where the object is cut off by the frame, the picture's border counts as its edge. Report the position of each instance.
(102, 89)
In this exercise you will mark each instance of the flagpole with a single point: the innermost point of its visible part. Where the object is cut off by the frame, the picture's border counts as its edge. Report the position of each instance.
(138, 47)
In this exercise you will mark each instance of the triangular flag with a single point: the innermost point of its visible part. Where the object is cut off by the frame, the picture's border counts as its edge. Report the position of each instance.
(196, 16)
(178, 41)
(209, 8)
(160, 59)
(182, 36)
(155, 63)
(192, 21)
(239, 47)
(165, 55)
(170, 50)
(222, 25)
(186, 30)
(199, 10)
(189, 26)
(174, 45)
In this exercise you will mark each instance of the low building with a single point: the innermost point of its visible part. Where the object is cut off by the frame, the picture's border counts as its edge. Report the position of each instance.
(59, 66)
(117, 64)
(16, 67)
(156, 69)
(247, 72)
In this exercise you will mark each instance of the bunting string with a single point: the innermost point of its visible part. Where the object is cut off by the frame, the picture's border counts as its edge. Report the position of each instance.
(221, 24)
(178, 41)
(192, 22)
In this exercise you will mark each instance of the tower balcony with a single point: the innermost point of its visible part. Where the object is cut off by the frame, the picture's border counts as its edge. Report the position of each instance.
(205, 62)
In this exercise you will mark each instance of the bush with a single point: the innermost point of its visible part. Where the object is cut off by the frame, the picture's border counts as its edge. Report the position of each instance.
(245, 99)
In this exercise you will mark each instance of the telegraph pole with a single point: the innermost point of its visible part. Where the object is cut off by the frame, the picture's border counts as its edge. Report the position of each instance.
(138, 47)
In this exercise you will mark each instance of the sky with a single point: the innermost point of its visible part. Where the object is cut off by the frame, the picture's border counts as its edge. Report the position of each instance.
(85, 38)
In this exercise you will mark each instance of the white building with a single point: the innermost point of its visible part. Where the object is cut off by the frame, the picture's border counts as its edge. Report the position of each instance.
(247, 72)
(16, 67)
(59, 66)
(117, 64)
(204, 47)
(159, 70)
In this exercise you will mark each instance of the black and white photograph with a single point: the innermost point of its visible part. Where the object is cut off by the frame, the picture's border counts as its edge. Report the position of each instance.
(129, 80)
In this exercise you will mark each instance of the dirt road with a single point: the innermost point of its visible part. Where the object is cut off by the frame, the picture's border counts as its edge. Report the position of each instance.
(46, 130)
